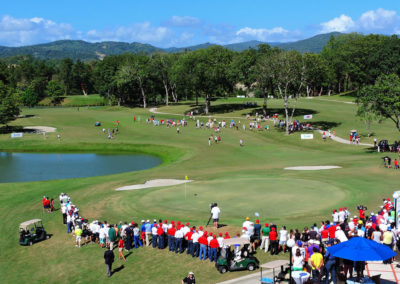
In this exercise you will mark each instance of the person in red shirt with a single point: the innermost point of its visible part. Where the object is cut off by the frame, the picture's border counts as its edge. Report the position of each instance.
(188, 238)
(171, 237)
(160, 234)
(214, 245)
(203, 246)
(48, 206)
(325, 235)
(332, 231)
(120, 248)
(44, 203)
(361, 213)
(227, 236)
(273, 240)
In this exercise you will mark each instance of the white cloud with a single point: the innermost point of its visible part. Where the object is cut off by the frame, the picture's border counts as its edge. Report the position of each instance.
(340, 24)
(373, 21)
(379, 20)
(141, 32)
(261, 34)
(185, 21)
(17, 31)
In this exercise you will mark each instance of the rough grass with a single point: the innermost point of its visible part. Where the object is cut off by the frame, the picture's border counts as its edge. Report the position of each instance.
(243, 180)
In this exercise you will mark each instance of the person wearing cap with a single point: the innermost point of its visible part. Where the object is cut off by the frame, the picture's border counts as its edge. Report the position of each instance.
(245, 234)
(179, 239)
(160, 236)
(112, 236)
(128, 237)
(190, 279)
(147, 230)
(273, 239)
(201, 231)
(78, 234)
(283, 234)
(215, 211)
(220, 240)
(257, 234)
(165, 228)
(203, 246)
(388, 240)
(109, 259)
(154, 235)
(265, 237)
(196, 246)
(340, 235)
(335, 216)
(342, 215)
(188, 239)
(171, 237)
(136, 236)
(214, 245)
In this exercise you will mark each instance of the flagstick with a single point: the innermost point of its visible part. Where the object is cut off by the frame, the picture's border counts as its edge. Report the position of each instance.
(185, 188)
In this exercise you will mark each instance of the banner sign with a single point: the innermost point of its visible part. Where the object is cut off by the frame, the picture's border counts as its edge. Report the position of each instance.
(307, 136)
(309, 116)
(16, 135)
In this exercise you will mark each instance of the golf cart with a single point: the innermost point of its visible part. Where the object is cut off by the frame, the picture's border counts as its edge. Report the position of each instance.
(31, 231)
(238, 259)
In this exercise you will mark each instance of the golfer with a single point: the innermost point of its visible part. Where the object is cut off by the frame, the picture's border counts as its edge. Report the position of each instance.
(215, 211)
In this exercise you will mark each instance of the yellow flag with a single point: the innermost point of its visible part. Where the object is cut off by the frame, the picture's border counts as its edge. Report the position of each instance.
(186, 178)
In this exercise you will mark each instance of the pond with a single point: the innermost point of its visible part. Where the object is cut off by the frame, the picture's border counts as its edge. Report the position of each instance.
(18, 167)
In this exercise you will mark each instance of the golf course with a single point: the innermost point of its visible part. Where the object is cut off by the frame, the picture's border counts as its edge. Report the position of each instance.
(243, 180)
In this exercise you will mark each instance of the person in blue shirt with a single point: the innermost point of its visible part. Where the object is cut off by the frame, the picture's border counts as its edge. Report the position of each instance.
(330, 265)
(147, 230)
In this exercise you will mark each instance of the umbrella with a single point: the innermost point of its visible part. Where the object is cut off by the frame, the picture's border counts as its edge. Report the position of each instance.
(361, 249)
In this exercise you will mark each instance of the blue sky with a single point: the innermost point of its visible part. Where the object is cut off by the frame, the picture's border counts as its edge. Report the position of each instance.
(182, 23)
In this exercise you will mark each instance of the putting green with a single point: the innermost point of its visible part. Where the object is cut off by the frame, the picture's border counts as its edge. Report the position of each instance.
(243, 196)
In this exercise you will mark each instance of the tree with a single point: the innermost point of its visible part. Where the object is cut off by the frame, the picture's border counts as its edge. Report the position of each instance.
(383, 98)
(286, 71)
(54, 90)
(161, 68)
(210, 73)
(9, 109)
(29, 97)
(104, 74)
(136, 71)
(315, 73)
(66, 75)
(368, 117)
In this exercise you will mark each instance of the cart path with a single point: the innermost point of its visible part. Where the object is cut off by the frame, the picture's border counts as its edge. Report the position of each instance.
(388, 272)
(253, 278)
(343, 141)
(154, 110)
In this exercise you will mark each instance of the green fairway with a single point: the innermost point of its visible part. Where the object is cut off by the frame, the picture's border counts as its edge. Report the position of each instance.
(243, 180)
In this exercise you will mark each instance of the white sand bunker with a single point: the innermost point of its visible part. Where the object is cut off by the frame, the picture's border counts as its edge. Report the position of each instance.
(154, 183)
(312, 168)
(41, 128)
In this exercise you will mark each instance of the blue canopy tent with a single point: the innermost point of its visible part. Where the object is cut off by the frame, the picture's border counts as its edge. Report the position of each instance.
(361, 249)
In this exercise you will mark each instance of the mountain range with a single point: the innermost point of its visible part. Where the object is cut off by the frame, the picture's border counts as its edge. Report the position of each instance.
(79, 49)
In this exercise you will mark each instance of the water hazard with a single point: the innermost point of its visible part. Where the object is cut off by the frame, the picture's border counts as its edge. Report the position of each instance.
(18, 167)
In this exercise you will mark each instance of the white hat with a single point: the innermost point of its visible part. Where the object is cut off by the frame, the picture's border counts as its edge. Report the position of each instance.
(355, 217)
(191, 273)
(338, 228)
(142, 221)
(148, 220)
(372, 213)
(155, 220)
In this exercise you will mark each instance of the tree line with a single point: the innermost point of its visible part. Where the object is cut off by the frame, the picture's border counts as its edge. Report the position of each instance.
(351, 62)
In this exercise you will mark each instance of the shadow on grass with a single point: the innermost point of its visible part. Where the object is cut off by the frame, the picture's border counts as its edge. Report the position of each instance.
(118, 269)
(10, 129)
(325, 124)
(221, 108)
(126, 256)
(281, 111)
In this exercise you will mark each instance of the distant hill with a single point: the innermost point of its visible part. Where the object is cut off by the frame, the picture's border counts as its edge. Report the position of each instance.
(79, 49)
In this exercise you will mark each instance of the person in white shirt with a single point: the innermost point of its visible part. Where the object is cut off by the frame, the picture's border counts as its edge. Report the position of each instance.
(154, 235)
(249, 226)
(351, 224)
(282, 239)
(341, 215)
(165, 226)
(220, 240)
(200, 231)
(340, 235)
(186, 229)
(102, 236)
(215, 211)
(178, 241)
(335, 216)
(195, 239)
(245, 234)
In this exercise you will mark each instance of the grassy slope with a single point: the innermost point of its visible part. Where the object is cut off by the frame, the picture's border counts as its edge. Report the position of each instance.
(243, 180)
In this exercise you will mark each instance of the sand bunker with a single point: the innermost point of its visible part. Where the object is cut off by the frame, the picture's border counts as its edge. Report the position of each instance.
(154, 183)
(312, 168)
(41, 128)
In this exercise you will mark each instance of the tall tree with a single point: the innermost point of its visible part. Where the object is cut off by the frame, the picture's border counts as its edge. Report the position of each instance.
(382, 98)
(161, 68)
(66, 75)
(104, 76)
(54, 90)
(8, 105)
(286, 70)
